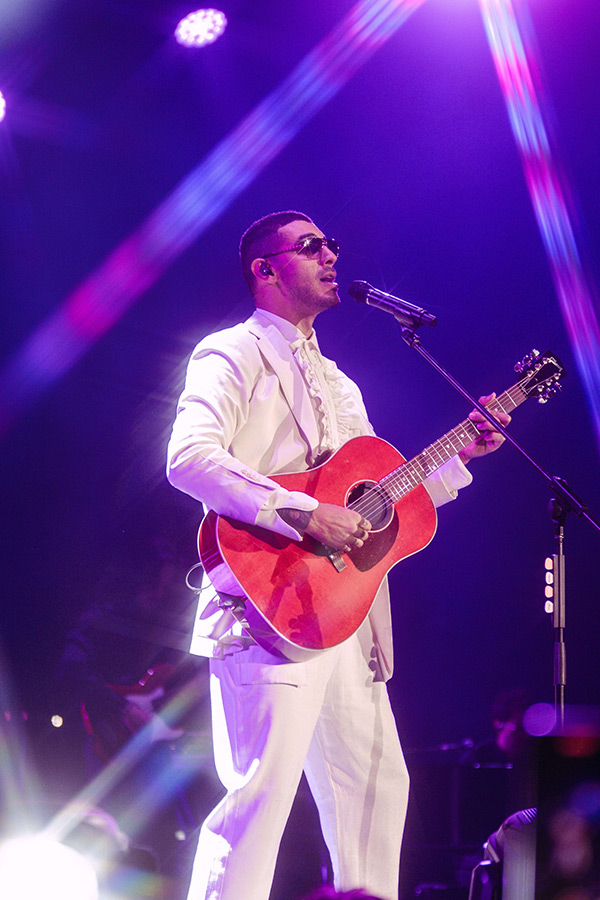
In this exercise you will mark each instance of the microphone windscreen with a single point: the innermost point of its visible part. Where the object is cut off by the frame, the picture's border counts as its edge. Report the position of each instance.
(359, 291)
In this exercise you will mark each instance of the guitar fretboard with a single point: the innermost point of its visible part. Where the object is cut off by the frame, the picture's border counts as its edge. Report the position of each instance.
(413, 472)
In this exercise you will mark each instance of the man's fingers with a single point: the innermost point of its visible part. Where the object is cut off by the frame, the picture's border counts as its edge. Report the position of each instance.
(362, 531)
(359, 536)
(481, 422)
(338, 527)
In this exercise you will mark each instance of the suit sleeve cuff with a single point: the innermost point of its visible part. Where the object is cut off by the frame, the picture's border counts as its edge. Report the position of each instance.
(267, 516)
(446, 482)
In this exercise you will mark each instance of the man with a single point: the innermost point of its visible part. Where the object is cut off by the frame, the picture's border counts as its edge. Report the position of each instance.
(260, 400)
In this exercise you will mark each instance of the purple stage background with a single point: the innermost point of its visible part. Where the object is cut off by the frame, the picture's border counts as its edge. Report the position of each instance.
(412, 167)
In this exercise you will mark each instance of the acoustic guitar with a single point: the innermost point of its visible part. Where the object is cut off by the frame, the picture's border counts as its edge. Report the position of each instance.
(299, 597)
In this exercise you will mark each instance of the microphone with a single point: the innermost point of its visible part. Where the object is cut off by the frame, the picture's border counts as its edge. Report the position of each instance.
(402, 310)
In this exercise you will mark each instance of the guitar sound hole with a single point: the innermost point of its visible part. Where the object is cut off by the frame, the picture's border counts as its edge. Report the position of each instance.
(371, 501)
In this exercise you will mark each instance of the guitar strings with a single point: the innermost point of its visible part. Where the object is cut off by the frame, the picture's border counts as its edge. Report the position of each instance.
(409, 475)
(402, 480)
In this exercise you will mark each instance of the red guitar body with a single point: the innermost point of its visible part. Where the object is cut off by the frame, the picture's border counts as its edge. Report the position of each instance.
(299, 601)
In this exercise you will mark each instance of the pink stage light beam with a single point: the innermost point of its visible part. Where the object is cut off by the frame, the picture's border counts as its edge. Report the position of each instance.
(551, 195)
(100, 301)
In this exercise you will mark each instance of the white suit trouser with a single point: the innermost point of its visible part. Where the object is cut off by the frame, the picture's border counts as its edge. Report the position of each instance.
(271, 720)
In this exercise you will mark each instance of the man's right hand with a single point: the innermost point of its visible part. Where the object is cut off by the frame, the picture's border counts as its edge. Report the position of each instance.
(338, 527)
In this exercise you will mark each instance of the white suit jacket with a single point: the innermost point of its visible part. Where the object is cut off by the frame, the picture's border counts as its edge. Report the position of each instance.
(245, 413)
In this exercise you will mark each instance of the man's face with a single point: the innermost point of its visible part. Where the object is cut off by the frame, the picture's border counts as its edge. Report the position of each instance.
(307, 283)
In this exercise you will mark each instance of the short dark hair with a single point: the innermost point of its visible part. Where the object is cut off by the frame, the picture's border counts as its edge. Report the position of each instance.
(259, 238)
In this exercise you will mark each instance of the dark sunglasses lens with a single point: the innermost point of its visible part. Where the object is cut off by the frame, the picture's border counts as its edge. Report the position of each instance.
(313, 246)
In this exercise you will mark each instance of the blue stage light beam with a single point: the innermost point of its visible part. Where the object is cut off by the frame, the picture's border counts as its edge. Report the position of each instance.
(551, 193)
(100, 301)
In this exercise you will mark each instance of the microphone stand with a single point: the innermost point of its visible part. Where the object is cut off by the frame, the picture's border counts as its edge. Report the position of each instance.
(558, 514)
(564, 502)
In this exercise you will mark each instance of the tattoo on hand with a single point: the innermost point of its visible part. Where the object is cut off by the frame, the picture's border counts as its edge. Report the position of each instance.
(296, 518)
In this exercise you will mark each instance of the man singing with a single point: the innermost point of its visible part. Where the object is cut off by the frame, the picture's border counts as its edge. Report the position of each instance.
(260, 400)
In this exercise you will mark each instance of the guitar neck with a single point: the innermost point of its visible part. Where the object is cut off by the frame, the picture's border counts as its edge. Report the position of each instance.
(413, 472)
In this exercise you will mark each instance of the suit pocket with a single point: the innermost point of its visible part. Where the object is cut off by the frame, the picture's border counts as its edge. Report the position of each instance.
(259, 673)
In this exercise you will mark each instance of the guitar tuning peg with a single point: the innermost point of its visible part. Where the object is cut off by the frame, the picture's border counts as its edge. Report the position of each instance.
(526, 361)
(552, 389)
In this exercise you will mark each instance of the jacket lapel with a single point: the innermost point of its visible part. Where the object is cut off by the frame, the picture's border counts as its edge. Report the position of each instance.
(275, 349)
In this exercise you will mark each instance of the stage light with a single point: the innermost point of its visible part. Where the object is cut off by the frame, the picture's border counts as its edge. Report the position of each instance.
(552, 194)
(2, 106)
(57, 721)
(549, 586)
(104, 296)
(34, 867)
(200, 28)
(539, 719)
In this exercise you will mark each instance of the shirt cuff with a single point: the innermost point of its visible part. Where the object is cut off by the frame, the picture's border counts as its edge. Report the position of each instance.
(267, 516)
(445, 484)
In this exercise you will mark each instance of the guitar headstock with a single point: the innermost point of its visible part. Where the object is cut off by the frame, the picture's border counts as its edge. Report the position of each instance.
(541, 375)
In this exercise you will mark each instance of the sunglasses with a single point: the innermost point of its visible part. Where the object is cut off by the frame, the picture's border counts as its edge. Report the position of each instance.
(310, 247)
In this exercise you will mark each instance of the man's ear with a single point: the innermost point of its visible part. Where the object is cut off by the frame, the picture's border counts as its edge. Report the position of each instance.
(261, 269)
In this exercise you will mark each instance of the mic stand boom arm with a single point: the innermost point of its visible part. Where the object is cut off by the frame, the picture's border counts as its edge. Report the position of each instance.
(569, 500)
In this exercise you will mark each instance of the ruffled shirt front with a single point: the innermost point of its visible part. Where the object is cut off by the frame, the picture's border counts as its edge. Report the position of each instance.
(336, 401)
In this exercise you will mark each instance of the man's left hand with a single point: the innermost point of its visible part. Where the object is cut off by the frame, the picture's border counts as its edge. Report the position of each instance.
(489, 439)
